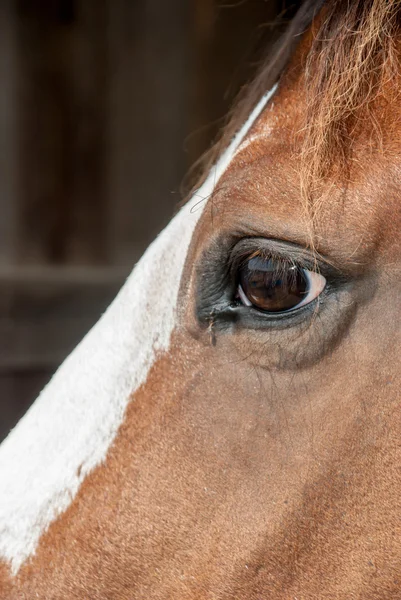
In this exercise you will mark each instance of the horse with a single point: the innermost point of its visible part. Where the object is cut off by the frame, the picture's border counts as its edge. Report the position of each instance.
(231, 427)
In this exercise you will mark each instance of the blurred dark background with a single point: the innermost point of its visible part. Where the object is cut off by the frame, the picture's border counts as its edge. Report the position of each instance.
(104, 107)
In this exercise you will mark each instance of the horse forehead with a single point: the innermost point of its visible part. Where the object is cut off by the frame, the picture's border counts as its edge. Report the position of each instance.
(276, 123)
(364, 210)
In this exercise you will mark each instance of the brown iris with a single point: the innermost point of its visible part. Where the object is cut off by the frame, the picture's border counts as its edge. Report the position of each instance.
(272, 285)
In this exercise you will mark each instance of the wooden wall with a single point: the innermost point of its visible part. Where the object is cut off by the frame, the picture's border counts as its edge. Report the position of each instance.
(104, 106)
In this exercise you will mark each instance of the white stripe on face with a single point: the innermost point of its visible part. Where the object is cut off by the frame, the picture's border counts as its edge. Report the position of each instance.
(252, 139)
(69, 429)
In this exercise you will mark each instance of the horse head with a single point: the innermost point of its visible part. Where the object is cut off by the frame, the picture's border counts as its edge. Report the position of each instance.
(231, 427)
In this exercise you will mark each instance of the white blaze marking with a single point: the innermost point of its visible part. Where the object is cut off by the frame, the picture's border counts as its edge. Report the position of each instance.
(68, 431)
(252, 139)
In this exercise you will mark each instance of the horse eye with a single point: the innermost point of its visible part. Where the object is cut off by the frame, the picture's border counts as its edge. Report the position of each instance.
(274, 285)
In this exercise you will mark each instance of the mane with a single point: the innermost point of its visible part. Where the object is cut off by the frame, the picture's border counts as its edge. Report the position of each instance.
(348, 71)
(350, 61)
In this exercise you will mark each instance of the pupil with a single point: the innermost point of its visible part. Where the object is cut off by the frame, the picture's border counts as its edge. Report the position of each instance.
(273, 285)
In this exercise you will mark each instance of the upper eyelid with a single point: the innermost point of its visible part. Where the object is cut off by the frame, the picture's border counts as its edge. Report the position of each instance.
(281, 258)
(280, 250)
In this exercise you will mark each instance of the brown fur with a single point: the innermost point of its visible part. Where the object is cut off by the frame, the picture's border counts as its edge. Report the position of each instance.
(350, 66)
(352, 62)
(265, 463)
